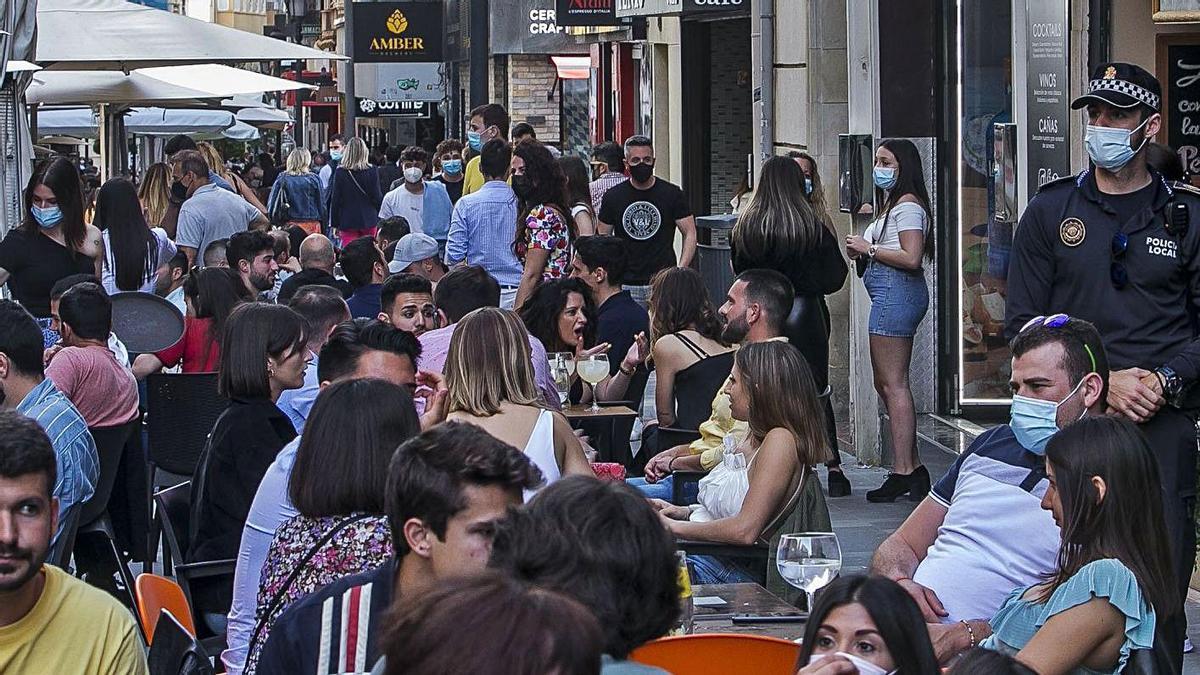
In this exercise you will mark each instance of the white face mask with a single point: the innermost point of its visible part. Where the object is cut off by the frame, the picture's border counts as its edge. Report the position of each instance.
(413, 174)
(864, 667)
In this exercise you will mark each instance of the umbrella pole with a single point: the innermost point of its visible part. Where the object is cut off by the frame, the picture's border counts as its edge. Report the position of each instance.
(105, 142)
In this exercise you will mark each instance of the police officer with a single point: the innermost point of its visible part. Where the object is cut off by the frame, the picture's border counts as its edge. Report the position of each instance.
(1119, 246)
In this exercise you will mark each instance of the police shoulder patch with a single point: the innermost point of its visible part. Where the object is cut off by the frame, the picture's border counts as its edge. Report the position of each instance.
(1186, 188)
(1056, 182)
(1072, 232)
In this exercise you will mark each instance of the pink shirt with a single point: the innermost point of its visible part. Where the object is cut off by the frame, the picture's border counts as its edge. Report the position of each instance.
(435, 346)
(104, 391)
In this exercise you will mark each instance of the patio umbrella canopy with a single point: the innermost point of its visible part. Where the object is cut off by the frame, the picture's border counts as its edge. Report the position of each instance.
(81, 122)
(113, 34)
(188, 84)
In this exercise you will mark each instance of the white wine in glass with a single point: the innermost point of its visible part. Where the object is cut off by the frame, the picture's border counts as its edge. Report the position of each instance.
(593, 370)
(809, 561)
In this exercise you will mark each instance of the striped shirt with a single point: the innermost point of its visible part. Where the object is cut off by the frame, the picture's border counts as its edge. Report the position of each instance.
(78, 463)
(602, 184)
(482, 229)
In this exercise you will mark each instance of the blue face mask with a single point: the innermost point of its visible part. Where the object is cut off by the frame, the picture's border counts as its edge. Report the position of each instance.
(335, 155)
(475, 140)
(1034, 421)
(1109, 147)
(47, 217)
(808, 186)
(885, 177)
(452, 167)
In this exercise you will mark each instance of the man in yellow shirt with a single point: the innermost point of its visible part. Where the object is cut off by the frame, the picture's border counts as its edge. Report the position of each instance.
(755, 309)
(487, 122)
(50, 622)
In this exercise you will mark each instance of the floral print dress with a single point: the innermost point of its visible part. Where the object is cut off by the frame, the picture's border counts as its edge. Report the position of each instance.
(546, 229)
(364, 543)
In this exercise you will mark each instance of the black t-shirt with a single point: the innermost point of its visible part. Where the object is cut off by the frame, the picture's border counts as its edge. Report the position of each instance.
(618, 320)
(311, 277)
(35, 262)
(1131, 204)
(455, 189)
(645, 219)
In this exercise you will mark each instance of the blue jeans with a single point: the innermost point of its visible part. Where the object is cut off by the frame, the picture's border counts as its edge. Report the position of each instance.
(660, 490)
(709, 569)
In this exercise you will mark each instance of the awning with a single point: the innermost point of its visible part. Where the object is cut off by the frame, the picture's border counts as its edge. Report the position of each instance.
(189, 84)
(113, 34)
(573, 67)
(82, 123)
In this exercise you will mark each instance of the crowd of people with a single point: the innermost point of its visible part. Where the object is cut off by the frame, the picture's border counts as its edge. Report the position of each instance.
(398, 489)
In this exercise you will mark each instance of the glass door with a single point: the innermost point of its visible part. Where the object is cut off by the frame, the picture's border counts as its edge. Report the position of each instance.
(984, 98)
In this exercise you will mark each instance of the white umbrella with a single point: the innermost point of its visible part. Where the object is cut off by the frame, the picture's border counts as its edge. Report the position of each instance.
(107, 34)
(79, 122)
(241, 131)
(169, 122)
(188, 84)
(264, 117)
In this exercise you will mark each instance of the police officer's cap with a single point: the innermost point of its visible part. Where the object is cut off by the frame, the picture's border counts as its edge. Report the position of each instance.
(1122, 85)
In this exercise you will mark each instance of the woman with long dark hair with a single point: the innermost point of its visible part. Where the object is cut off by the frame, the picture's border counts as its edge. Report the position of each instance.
(893, 248)
(868, 625)
(1114, 585)
(779, 230)
(742, 499)
(211, 294)
(814, 188)
(579, 194)
(691, 360)
(544, 232)
(53, 241)
(133, 250)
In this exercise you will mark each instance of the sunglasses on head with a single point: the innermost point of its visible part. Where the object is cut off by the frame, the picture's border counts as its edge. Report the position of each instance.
(1057, 321)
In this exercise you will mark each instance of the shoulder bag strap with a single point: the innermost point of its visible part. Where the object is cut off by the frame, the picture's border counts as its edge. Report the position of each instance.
(788, 507)
(273, 606)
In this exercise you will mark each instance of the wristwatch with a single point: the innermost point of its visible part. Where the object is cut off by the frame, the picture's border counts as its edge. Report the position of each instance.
(871, 250)
(1171, 383)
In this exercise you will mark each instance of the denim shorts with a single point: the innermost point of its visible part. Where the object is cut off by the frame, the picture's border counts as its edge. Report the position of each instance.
(899, 300)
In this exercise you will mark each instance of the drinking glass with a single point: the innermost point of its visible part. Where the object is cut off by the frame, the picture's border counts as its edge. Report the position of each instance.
(809, 561)
(593, 370)
(562, 367)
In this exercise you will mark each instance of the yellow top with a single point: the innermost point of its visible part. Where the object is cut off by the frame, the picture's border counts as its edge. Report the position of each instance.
(473, 177)
(711, 444)
(73, 628)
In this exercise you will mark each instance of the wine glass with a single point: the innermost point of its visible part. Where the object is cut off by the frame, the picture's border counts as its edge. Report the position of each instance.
(593, 369)
(809, 561)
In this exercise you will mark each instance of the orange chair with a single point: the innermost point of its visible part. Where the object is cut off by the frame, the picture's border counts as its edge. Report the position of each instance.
(713, 653)
(154, 594)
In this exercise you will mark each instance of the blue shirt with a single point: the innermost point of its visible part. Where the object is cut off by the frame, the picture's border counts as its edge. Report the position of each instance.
(78, 463)
(435, 208)
(297, 403)
(365, 302)
(482, 229)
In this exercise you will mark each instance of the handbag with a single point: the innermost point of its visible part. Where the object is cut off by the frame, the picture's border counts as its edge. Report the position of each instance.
(281, 209)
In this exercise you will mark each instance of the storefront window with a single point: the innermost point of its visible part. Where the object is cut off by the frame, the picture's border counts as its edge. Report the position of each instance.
(984, 99)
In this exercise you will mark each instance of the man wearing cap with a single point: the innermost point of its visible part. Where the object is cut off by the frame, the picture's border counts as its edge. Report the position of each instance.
(417, 253)
(1119, 246)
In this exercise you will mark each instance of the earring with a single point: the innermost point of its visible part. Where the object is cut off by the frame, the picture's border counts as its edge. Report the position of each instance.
(270, 369)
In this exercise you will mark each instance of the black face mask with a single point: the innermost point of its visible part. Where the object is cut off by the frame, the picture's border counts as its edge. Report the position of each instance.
(522, 186)
(641, 172)
(178, 191)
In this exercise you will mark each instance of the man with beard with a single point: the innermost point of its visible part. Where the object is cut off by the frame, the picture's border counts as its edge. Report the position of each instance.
(755, 310)
(168, 281)
(50, 622)
(252, 254)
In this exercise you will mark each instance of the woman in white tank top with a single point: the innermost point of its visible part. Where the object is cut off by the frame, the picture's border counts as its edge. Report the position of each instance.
(491, 383)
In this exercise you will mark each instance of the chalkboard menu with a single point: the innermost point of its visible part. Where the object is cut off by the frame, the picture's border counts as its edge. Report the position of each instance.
(1179, 72)
(1046, 91)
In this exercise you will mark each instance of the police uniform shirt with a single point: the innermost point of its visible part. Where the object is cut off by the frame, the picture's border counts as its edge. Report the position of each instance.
(1062, 258)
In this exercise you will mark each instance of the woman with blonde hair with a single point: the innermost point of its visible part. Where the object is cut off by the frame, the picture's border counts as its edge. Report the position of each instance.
(295, 197)
(354, 196)
(217, 163)
(500, 395)
(782, 230)
(746, 498)
(155, 194)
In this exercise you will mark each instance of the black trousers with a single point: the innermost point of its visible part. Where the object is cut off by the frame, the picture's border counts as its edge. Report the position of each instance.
(1172, 437)
(807, 329)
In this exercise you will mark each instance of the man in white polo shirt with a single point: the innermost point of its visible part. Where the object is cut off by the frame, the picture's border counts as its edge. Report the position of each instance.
(981, 532)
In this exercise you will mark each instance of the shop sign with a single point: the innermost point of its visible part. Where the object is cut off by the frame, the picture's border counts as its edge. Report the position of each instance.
(400, 81)
(398, 32)
(1179, 70)
(530, 27)
(586, 12)
(368, 107)
(326, 94)
(630, 8)
(1047, 105)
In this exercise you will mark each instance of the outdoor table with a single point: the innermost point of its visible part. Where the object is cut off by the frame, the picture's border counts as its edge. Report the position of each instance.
(609, 448)
(742, 599)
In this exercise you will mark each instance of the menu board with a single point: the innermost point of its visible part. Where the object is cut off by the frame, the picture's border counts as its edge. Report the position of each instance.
(1179, 71)
(1047, 91)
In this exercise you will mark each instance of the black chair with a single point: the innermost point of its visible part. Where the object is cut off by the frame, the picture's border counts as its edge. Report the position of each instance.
(60, 553)
(93, 514)
(175, 651)
(180, 413)
(174, 509)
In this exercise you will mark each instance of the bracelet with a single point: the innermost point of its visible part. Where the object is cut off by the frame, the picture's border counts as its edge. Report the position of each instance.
(626, 373)
(669, 463)
(970, 632)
